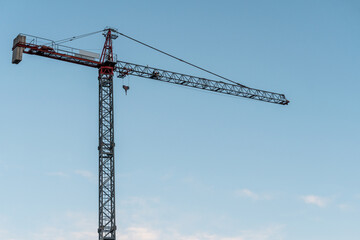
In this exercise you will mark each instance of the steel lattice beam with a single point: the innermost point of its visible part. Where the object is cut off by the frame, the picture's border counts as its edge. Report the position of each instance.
(107, 225)
(57, 54)
(125, 68)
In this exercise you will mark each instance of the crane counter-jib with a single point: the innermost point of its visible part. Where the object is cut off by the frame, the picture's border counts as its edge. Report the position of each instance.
(47, 48)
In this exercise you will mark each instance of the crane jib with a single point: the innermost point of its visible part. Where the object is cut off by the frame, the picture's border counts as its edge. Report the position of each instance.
(124, 68)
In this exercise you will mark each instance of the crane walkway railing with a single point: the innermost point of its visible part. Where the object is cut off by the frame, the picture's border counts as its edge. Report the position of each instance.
(51, 46)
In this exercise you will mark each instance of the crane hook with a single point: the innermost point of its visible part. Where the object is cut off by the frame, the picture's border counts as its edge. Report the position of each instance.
(126, 88)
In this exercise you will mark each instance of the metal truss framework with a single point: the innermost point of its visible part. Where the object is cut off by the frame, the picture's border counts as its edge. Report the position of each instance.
(107, 226)
(57, 52)
(125, 68)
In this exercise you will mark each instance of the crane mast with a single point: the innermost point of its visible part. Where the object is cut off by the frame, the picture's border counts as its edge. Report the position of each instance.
(107, 66)
(107, 227)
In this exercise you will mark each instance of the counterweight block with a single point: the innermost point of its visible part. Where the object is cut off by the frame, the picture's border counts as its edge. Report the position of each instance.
(18, 51)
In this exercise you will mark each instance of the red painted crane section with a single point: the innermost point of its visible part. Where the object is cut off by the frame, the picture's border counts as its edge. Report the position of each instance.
(52, 50)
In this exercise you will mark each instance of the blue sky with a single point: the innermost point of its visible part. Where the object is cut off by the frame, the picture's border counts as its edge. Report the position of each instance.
(190, 165)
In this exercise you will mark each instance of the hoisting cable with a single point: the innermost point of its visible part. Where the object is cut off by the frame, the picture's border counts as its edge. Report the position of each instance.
(172, 56)
(76, 37)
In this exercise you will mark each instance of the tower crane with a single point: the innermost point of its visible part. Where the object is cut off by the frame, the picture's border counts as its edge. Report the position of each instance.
(107, 66)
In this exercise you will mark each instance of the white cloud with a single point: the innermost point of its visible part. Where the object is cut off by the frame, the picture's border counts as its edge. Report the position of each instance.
(83, 229)
(274, 232)
(84, 235)
(82, 173)
(139, 233)
(3, 232)
(344, 207)
(61, 234)
(247, 193)
(83, 226)
(315, 200)
(85, 174)
(80, 226)
(252, 195)
(57, 174)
